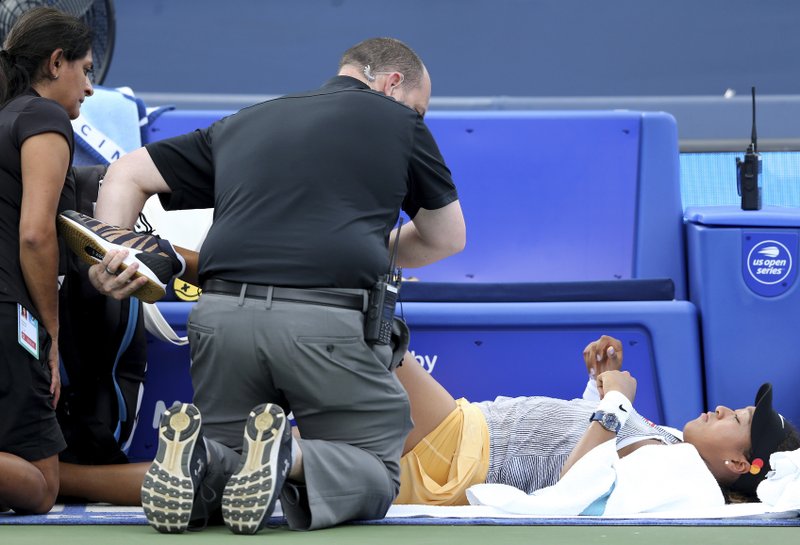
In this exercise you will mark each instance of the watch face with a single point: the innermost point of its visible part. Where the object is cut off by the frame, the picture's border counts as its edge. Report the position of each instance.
(610, 422)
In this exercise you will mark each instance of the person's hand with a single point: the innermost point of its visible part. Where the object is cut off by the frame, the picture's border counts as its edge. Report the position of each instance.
(55, 373)
(109, 279)
(619, 381)
(604, 354)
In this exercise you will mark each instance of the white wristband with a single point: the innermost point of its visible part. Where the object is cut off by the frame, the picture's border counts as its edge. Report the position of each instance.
(616, 402)
(590, 393)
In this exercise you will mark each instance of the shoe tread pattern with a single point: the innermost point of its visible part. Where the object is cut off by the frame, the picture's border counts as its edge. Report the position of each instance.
(249, 496)
(168, 491)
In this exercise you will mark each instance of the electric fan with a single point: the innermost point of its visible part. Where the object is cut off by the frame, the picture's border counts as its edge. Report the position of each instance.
(98, 14)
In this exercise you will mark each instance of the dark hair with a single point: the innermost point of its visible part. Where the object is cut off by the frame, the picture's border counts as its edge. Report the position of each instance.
(790, 442)
(386, 55)
(31, 41)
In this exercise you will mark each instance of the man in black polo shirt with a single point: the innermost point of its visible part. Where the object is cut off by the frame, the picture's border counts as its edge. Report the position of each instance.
(307, 189)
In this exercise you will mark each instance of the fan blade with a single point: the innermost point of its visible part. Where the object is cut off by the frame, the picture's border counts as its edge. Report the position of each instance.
(76, 8)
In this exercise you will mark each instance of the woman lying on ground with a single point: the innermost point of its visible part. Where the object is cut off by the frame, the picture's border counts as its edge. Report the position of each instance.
(530, 442)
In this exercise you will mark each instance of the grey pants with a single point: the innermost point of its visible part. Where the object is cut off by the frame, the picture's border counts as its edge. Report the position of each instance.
(352, 412)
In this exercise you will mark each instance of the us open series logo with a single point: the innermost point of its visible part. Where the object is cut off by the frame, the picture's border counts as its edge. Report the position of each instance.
(769, 262)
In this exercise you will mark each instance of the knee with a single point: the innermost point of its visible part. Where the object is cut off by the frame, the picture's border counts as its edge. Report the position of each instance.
(42, 503)
(44, 507)
(46, 498)
(36, 507)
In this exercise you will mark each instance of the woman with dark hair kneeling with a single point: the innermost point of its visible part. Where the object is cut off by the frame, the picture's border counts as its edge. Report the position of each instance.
(44, 78)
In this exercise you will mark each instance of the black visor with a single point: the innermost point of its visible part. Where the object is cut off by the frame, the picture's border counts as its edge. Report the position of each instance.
(767, 431)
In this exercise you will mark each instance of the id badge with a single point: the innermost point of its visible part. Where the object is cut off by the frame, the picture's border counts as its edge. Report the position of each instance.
(28, 331)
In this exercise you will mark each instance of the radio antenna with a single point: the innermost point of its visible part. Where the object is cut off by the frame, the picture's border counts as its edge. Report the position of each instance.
(393, 258)
(753, 138)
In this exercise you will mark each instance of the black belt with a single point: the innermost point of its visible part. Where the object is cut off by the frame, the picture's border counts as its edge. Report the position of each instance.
(295, 295)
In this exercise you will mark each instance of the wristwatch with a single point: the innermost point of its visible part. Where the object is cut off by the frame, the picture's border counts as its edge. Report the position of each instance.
(609, 421)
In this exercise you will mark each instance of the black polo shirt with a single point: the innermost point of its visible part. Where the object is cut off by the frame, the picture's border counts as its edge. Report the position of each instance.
(21, 118)
(306, 188)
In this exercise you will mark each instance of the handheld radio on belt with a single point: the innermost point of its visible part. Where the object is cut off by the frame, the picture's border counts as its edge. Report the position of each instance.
(382, 301)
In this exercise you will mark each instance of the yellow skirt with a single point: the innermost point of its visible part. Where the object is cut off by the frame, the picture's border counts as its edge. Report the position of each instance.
(448, 460)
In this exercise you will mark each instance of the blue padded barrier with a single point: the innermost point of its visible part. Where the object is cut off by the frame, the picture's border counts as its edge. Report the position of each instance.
(482, 350)
(176, 122)
(743, 280)
(660, 246)
(533, 187)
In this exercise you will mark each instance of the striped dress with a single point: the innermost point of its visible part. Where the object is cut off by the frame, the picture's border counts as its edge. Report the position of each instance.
(531, 437)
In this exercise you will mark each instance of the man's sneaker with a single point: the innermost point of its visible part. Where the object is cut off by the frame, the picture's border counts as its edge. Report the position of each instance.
(250, 495)
(91, 239)
(176, 475)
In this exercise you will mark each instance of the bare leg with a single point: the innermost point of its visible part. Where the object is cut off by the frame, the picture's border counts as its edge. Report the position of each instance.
(119, 484)
(28, 487)
(430, 402)
(190, 256)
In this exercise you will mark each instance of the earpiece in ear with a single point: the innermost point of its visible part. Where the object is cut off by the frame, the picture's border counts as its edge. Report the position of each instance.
(368, 73)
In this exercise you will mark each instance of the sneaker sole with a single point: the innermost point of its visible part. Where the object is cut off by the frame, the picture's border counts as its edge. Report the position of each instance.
(167, 491)
(249, 496)
(91, 248)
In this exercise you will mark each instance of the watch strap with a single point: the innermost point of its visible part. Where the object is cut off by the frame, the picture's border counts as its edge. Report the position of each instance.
(609, 420)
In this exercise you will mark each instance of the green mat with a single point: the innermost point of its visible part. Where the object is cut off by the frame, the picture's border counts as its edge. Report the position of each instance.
(407, 535)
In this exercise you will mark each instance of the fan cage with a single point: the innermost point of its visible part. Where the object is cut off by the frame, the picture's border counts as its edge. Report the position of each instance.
(97, 14)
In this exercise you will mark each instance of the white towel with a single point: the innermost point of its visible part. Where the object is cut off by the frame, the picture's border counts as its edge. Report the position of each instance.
(654, 478)
(658, 478)
(109, 126)
(781, 488)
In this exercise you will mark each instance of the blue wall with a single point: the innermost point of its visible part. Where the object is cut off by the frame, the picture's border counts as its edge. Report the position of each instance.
(472, 47)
